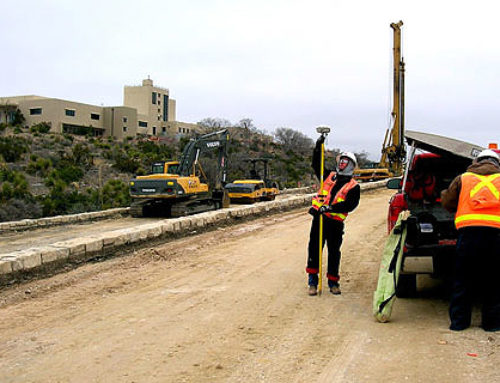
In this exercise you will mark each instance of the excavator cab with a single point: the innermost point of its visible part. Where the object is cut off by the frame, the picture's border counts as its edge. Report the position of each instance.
(165, 167)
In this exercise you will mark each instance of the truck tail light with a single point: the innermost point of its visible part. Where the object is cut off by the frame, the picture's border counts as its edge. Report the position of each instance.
(396, 205)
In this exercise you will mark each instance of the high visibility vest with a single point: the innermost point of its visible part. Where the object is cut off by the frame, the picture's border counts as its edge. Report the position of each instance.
(479, 201)
(324, 196)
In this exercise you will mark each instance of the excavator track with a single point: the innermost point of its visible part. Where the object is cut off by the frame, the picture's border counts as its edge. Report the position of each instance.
(177, 208)
(136, 210)
(192, 207)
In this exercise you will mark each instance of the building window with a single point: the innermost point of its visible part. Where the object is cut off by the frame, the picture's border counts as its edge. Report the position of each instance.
(154, 97)
(95, 116)
(70, 112)
(11, 116)
(154, 130)
(165, 107)
(143, 124)
(124, 128)
(35, 111)
(163, 129)
(179, 130)
(159, 117)
(125, 119)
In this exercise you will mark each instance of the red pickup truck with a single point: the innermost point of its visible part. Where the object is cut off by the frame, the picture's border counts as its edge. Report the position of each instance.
(434, 161)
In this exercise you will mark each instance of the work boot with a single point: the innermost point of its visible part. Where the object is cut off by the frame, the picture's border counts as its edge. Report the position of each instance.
(456, 327)
(335, 289)
(313, 290)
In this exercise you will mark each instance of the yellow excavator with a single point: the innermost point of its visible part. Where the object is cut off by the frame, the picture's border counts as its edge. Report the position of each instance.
(178, 188)
(393, 149)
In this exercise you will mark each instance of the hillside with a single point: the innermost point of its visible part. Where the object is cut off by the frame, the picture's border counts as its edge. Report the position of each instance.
(46, 174)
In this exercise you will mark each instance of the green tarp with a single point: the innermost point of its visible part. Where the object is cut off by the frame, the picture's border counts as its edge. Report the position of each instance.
(390, 266)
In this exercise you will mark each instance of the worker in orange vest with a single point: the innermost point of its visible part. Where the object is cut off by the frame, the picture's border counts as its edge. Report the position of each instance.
(339, 196)
(475, 197)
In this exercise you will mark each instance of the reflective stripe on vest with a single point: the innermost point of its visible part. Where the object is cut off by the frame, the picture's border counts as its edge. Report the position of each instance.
(479, 201)
(323, 197)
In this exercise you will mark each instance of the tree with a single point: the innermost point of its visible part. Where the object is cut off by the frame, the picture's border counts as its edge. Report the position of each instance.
(18, 119)
(362, 158)
(210, 124)
(293, 140)
(247, 124)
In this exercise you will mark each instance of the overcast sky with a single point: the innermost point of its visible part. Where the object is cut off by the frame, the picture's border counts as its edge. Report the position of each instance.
(296, 64)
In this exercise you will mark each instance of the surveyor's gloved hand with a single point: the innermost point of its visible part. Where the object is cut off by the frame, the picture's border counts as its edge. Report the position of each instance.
(324, 209)
(320, 140)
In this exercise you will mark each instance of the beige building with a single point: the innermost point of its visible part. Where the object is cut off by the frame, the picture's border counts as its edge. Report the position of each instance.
(147, 110)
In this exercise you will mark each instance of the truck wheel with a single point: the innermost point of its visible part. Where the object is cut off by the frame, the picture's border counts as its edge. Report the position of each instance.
(407, 286)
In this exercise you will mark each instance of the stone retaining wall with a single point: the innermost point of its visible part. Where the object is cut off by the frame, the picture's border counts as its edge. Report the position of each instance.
(30, 224)
(22, 264)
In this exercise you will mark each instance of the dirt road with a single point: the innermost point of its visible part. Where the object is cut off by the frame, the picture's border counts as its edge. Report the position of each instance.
(231, 306)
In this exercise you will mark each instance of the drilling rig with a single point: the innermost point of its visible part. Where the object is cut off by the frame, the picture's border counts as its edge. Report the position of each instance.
(393, 149)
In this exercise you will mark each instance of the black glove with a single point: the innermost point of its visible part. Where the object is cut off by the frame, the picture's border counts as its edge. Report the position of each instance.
(325, 209)
(320, 140)
(314, 212)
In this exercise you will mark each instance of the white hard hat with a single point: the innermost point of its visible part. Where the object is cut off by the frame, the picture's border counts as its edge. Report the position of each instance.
(349, 155)
(488, 153)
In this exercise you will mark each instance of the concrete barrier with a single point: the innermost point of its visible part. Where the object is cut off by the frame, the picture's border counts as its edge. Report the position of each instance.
(23, 264)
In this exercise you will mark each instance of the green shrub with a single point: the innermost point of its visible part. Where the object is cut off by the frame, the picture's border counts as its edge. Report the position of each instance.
(13, 185)
(82, 156)
(140, 172)
(102, 145)
(13, 148)
(124, 163)
(17, 209)
(42, 127)
(68, 173)
(115, 193)
(40, 164)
